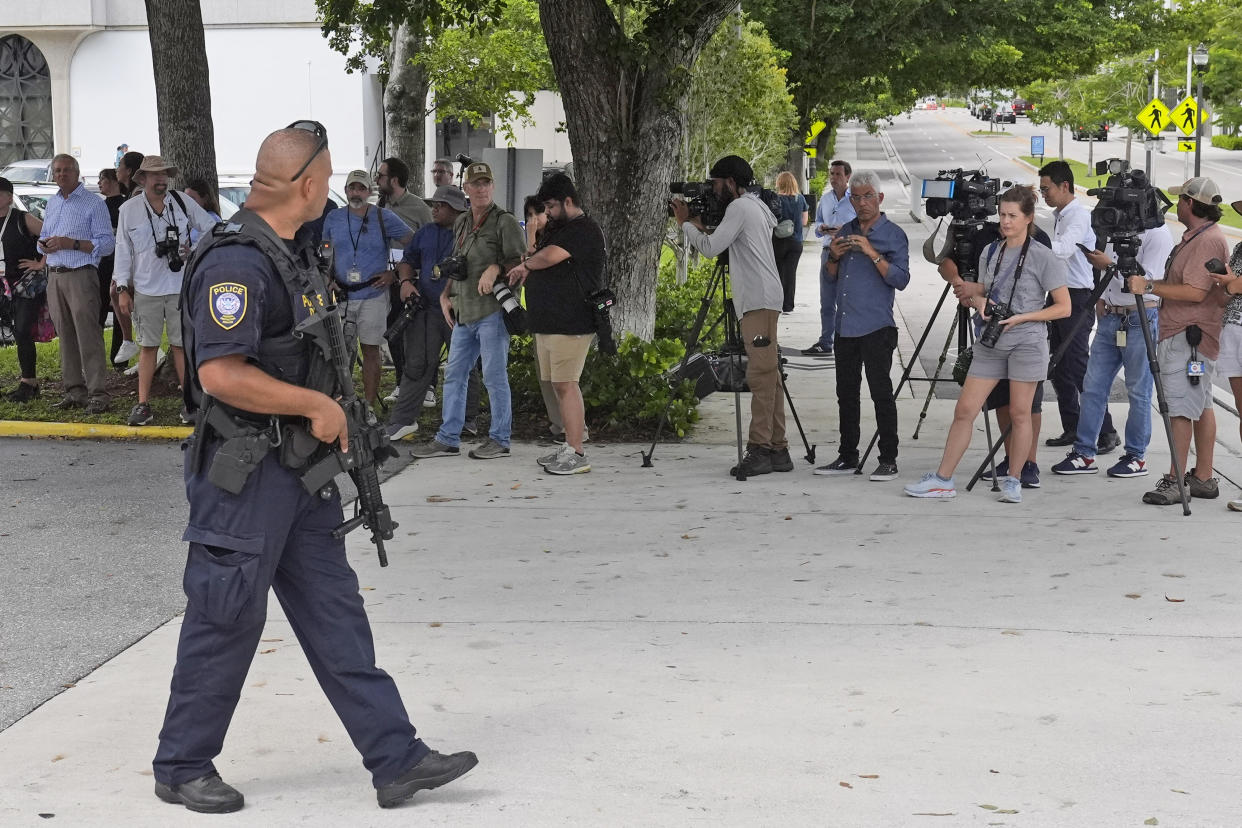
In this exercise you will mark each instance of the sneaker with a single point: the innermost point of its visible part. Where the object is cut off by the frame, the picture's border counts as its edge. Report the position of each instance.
(1129, 466)
(838, 466)
(781, 461)
(1075, 463)
(885, 471)
(397, 431)
(1202, 489)
(1235, 505)
(69, 402)
(568, 462)
(758, 460)
(392, 397)
(817, 350)
(1002, 469)
(186, 416)
(489, 450)
(127, 351)
(1011, 490)
(25, 392)
(471, 427)
(433, 448)
(429, 399)
(1066, 439)
(549, 459)
(141, 415)
(1165, 493)
(1107, 443)
(932, 485)
(99, 405)
(1030, 475)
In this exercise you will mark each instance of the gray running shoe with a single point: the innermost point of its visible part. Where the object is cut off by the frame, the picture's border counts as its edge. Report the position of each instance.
(568, 462)
(434, 448)
(549, 459)
(141, 415)
(489, 450)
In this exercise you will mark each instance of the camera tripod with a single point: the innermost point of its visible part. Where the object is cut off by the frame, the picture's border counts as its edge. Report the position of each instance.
(1127, 266)
(732, 348)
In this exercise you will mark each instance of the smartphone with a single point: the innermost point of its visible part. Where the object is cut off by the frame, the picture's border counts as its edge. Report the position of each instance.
(1085, 250)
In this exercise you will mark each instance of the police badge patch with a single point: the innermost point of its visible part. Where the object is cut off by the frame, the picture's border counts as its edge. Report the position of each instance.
(228, 304)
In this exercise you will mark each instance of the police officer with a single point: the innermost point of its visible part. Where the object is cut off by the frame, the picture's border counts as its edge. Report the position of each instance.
(252, 524)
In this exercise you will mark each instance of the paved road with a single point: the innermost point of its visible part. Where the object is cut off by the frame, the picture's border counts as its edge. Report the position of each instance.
(93, 557)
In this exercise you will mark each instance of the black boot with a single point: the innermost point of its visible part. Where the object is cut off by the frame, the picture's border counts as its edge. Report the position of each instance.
(435, 769)
(758, 460)
(206, 795)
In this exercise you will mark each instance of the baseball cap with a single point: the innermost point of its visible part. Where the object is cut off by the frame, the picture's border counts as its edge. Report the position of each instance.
(1202, 190)
(451, 196)
(478, 171)
(358, 177)
(156, 163)
(1237, 205)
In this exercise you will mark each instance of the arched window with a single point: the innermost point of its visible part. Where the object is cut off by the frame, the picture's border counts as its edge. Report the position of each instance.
(25, 101)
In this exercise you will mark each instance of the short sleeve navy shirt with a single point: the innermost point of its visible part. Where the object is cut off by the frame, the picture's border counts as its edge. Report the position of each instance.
(236, 299)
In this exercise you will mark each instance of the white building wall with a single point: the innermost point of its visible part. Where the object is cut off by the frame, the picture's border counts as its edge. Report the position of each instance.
(548, 113)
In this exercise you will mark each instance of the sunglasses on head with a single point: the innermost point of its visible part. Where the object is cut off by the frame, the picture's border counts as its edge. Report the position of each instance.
(319, 131)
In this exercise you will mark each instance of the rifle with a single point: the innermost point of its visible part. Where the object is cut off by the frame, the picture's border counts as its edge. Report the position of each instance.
(368, 444)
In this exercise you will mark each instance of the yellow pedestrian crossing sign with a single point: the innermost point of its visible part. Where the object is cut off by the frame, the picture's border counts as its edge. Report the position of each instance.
(1154, 117)
(1184, 115)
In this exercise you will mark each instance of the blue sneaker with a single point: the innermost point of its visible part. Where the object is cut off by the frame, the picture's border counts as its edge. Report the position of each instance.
(1129, 466)
(932, 485)
(1030, 475)
(1011, 490)
(1075, 463)
(1002, 468)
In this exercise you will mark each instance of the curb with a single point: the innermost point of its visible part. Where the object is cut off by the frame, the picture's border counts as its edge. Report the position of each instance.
(78, 431)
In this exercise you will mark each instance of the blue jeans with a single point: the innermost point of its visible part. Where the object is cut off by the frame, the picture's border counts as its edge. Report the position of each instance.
(827, 304)
(489, 338)
(1106, 358)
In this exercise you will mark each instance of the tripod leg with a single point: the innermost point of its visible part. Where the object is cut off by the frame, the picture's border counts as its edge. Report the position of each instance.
(1162, 404)
(810, 449)
(935, 375)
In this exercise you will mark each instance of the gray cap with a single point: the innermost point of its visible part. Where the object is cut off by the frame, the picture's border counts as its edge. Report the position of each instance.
(451, 196)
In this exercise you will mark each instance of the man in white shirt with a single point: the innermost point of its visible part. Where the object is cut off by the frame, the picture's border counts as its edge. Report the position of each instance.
(152, 244)
(1119, 345)
(1072, 227)
(835, 210)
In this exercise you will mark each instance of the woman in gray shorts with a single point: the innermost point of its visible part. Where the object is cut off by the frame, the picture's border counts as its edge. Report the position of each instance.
(1021, 275)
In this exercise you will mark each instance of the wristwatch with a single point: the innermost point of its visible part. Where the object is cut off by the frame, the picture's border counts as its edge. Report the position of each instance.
(876, 260)
(125, 289)
(77, 244)
(1149, 287)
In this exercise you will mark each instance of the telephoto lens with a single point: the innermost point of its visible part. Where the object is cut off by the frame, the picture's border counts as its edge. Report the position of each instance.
(515, 314)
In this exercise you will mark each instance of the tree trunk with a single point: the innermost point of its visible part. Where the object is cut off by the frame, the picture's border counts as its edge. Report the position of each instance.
(182, 88)
(405, 108)
(625, 116)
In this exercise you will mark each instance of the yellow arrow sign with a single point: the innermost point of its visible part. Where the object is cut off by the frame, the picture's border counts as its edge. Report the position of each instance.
(1185, 146)
(1154, 117)
(1184, 115)
(816, 129)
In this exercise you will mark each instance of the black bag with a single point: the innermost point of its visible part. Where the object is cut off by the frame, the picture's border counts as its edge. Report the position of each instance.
(32, 285)
(698, 370)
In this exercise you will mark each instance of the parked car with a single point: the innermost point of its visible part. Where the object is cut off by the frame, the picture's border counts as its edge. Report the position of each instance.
(33, 170)
(33, 198)
(1021, 106)
(1097, 133)
(235, 188)
(1004, 114)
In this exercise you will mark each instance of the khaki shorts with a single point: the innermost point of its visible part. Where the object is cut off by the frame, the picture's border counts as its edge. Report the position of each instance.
(367, 319)
(152, 314)
(561, 356)
(1184, 399)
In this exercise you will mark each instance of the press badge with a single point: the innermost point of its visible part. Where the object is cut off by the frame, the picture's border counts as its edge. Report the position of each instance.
(354, 276)
(1194, 368)
(1121, 338)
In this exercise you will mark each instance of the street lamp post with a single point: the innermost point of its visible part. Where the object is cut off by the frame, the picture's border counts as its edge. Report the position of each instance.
(1201, 62)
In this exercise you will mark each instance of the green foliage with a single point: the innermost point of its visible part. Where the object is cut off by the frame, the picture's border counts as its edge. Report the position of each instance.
(739, 102)
(817, 184)
(362, 29)
(492, 68)
(1229, 142)
(628, 391)
(1223, 82)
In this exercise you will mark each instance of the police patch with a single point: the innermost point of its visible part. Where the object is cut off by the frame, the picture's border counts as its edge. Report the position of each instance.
(228, 304)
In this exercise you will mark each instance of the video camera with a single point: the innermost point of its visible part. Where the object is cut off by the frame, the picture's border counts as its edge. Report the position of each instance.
(966, 195)
(1127, 206)
(703, 201)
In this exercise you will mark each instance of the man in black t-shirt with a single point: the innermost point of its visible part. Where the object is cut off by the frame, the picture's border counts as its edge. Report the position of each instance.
(559, 276)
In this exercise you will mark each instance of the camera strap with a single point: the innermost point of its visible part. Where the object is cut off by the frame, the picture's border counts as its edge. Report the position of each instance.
(1017, 270)
(1182, 244)
(170, 220)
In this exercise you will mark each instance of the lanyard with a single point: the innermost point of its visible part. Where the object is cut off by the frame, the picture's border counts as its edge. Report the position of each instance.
(1180, 245)
(167, 221)
(362, 228)
(470, 237)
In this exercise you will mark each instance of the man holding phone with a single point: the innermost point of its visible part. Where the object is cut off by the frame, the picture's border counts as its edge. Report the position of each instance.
(77, 232)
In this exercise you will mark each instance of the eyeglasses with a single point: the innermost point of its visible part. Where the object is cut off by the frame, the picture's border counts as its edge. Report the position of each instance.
(318, 130)
(864, 196)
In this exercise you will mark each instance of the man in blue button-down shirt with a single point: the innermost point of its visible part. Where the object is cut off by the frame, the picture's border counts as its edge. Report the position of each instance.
(77, 232)
(833, 212)
(869, 260)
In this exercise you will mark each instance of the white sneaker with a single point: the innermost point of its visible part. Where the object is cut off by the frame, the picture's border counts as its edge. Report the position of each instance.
(1235, 505)
(160, 359)
(392, 398)
(127, 351)
(429, 401)
(400, 432)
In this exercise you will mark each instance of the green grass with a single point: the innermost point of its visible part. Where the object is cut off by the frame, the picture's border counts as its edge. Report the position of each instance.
(1084, 177)
(985, 133)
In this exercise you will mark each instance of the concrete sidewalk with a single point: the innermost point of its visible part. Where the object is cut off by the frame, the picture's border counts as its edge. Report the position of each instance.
(667, 646)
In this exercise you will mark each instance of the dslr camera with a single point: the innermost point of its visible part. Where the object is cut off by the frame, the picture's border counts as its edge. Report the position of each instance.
(1127, 206)
(702, 199)
(170, 248)
(409, 309)
(454, 267)
(997, 312)
(967, 195)
(601, 302)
